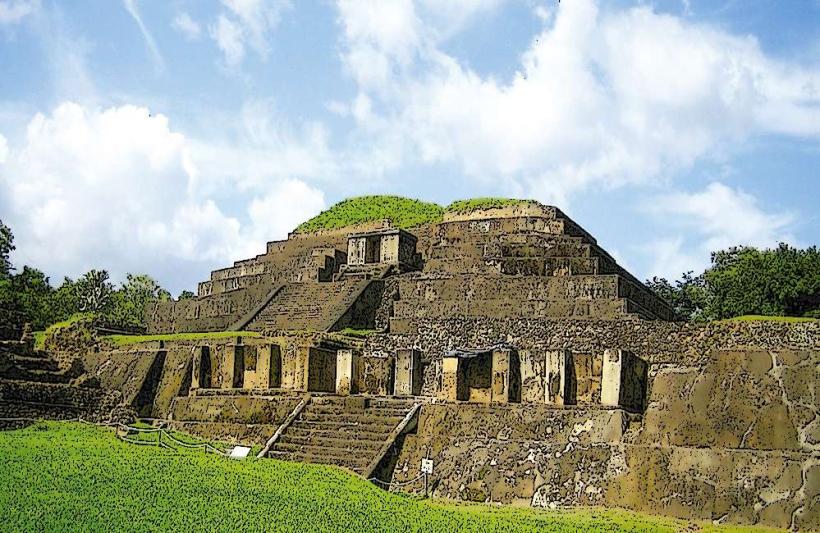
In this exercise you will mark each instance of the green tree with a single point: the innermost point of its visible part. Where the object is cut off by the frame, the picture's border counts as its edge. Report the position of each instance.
(94, 292)
(782, 281)
(130, 300)
(34, 296)
(742, 280)
(688, 296)
(186, 295)
(6, 247)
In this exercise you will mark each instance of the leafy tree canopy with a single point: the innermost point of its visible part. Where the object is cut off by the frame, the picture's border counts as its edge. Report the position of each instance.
(784, 281)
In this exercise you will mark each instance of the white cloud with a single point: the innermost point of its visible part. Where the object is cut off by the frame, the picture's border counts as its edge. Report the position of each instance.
(4, 149)
(716, 218)
(187, 26)
(13, 11)
(156, 56)
(601, 99)
(246, 23)
(228, 36)
(118, 188)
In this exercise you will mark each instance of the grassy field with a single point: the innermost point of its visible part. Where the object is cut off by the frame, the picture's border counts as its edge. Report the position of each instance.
(404, 212)
(757, 318)
(461, 206)
(125, 340)
(61, 476)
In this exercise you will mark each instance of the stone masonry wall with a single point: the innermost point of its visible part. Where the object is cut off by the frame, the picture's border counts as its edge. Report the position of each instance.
(734, 438)
(657, 342)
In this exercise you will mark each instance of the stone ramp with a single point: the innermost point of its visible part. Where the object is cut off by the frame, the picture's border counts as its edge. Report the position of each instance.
(343, 431)
(309, 305)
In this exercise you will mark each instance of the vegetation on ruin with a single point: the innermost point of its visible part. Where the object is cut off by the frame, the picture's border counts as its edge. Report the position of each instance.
(60, 476)
(473, 204)
(125, 340)
(764, 318)
(746, 281)
(358, 333)
(403, 212)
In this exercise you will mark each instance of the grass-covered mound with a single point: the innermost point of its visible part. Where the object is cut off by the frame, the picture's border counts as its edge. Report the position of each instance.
(125, 340)
(60, 476)
(404, 213)
(465, 206)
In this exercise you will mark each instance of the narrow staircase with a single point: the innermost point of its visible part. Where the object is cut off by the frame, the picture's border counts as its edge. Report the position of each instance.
(345, 431)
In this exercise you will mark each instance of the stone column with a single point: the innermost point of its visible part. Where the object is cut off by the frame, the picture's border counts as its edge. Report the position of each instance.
(408, 373)
(346, 369)
(449, 379)
(268, 367)
(558, 366)
(533, 376)
(500, 388)
(201, 368)
(233, 367)
(295, 368)
(611, 379)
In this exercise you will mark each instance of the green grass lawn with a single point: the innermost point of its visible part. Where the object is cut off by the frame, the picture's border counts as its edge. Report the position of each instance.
(125, 340)
(756, 318)
(61, 476)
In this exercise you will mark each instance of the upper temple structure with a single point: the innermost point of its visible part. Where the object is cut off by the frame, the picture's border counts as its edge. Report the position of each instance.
(525, 260)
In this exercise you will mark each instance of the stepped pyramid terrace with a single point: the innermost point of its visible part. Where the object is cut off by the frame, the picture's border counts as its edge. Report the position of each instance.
(494, 341)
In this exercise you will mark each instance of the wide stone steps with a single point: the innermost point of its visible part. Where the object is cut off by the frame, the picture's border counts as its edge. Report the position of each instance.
(305, 435)
(308, 305)
(36, 363)
(343, 458)
(341, 431)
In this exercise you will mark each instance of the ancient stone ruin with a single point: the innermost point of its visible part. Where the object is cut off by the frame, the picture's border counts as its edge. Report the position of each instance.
(505, 345)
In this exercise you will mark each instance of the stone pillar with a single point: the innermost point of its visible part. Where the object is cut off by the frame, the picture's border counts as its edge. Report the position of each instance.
(201, 368)
(233, 366)
(533, 376)
(389, 253)
(356, 247)
(449, 378)
(408, 373)
(558, 366)
(611, 378)
(295, 368)
(346, 371)
(269, 367)
(500, 389)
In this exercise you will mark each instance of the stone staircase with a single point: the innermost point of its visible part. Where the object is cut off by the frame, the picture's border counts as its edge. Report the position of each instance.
(308, 305)
(343, 431)
(35, 386)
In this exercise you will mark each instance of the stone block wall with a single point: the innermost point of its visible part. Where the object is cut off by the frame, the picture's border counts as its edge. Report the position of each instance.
(733, 438)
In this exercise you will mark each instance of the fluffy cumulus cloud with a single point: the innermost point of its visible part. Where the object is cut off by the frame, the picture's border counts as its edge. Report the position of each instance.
(600, 99)
(716, 217)
(244, 24)
(118, 188)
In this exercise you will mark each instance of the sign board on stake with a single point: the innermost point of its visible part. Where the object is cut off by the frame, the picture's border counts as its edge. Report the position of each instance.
(426, 466)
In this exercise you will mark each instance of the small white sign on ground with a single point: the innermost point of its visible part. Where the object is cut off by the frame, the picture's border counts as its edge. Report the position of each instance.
(426, 466)
(240, 452)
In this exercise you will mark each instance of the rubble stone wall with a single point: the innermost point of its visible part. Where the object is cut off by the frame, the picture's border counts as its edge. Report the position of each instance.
(734, 438)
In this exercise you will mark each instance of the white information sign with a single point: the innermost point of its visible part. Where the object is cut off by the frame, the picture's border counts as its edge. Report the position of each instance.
(240, 452)
(426, 466)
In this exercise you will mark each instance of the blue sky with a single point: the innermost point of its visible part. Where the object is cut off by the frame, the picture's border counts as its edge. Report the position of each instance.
(173, 137)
